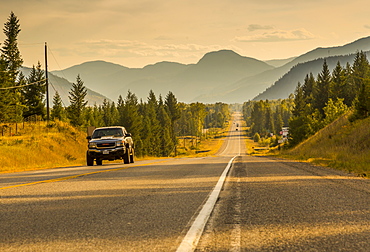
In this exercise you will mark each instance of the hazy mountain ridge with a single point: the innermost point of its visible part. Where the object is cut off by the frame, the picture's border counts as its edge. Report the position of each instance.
(185, 81)
(288, 83)
(218, 76)
(250, 87)
(63, 87)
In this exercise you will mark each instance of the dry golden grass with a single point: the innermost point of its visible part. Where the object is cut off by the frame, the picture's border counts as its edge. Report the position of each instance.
(342, 145)
(38, 146)
(188, 147)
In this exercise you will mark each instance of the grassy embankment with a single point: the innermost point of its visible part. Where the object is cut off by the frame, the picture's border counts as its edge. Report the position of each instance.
(342, 145)
(38, 146)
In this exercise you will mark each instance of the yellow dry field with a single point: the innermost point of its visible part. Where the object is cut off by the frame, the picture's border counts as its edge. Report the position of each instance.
(35, 146)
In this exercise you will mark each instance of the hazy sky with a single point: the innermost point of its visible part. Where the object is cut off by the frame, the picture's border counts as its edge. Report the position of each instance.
(135, 33)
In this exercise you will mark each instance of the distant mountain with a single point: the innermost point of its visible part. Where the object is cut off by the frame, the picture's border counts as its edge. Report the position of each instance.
(63, 87)
(185, 81)
(279, 62)
(249, 87)
(223, 75)
(288, 83)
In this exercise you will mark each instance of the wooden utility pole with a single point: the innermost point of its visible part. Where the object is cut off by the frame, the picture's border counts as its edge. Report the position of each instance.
(47, 84)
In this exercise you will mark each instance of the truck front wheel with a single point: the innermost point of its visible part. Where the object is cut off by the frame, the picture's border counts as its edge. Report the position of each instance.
(89, 160)
(126, 156)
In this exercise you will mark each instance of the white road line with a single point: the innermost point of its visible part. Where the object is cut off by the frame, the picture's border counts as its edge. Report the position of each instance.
(191, 239)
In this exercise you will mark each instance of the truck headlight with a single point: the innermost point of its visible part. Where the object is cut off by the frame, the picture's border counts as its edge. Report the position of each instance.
(92, 145)
(120, 143)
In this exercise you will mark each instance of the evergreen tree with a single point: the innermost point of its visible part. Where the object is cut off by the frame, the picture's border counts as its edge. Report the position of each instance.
(360, 70)
(269, 121)
(166, 142)
(109, 113)
(10, 63)
(130, 118)
(151, 126)
(58, 111)
(279, 123)
(33, 95)
(5, 93)
(349, 93)
(308, 88)
(361, 76)
(300, 104)
(337, 89)
(321, 92)
(77, 99)
(10, 51)
(258, 118)
(173, 112)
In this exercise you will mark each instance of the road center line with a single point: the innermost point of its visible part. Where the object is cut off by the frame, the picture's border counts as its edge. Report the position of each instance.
(76, 176)
(191, 239)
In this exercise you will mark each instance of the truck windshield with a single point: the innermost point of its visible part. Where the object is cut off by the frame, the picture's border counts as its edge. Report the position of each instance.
(107, 132)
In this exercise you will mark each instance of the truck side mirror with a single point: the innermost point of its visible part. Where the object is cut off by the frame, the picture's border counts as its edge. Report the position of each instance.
(128, 134)
(88, 138)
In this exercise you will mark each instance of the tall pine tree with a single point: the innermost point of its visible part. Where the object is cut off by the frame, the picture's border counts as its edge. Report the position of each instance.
(77, 99)
(33, 95)
(10, 64)
(322, 90)
(58, 111)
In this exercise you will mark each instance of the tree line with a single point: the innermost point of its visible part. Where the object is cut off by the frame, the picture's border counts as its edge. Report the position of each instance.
(155, 124)
(267, 117)
(315, 103)
(320, 101)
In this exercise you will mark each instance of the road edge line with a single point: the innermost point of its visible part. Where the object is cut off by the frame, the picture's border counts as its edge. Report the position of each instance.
(192, 237)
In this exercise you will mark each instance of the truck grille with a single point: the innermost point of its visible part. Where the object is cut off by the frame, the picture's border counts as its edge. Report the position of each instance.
(106, 145)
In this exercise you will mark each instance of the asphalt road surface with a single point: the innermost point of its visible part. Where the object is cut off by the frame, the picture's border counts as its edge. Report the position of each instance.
(265, 205)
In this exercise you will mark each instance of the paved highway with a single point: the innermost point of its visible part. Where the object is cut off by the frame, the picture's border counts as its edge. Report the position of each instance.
(265, 205)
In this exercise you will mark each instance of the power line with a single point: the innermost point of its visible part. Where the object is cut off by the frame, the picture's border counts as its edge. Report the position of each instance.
(30, 84)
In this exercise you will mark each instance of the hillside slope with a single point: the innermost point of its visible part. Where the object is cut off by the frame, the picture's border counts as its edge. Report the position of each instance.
(288, 83)
(63, 87)
(342, 145)
(249, 87)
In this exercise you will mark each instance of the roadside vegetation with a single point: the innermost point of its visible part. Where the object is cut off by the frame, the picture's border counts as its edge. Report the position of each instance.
(340, 97)
(38, 145)
(342, 145)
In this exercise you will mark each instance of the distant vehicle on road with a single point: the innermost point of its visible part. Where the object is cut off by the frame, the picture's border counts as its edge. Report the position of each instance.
(110, 143)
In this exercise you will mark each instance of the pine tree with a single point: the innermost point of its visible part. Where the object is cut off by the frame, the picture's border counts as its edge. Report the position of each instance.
(10, 63)
(10, 51)
(361, 75)
(360, 70)
(350, 92)
(300, 105)
(58, 111)
(166, 142)
(337, 89)
(5, 95)
(33, 95)
(151, 126)
(77, 99)
(173, 111)
(321, 92)
(130, 118)
(308, 88)
(279, 123)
